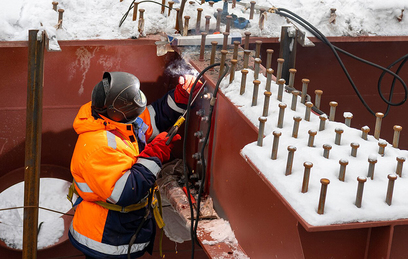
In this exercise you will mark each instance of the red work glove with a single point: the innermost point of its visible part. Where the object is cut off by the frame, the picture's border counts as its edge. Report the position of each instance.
(183, 89)
(158, 147)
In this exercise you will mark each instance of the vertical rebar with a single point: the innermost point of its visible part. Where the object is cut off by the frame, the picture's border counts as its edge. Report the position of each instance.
(275, 145)
(255, 93)
(289, 163)
(225, 42)
(222, 62)
(232, 69)
(354, 147)
(261, 130)
(281, 83)
(185, 28)
(55, 6)
(305, 83)
(33, 137)
(244, 73)
(170, 7)
(213, 51)
(381, 147)
(257, 64)
(323, 191)
(269, 53)
(360, 189)
(266, 103)
(390, 189)
(318, 98)
(322, 124)
(342, 173)
(219, 13)
(332, 114)
(377, 129)
(252, 9)
(246, 44)
(228, 23)
(282, 107)
(337, 140)
(306, 176)
(364, 132)
(207, 23)
(371, 166)
(235, 53)
(292, 73)
(296, 122)
(312, 134)
(308, 110)
(258, 44)
(396, 137)
(269, 73)
(141, 22)
(279, 69)
(60, 17)
(347, 118)
(246, 58)
(400, 163)
(202, 47)
(295, 94)
(326, 150)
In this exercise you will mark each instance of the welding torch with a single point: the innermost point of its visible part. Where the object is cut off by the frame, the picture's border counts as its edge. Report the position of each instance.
(173, 131)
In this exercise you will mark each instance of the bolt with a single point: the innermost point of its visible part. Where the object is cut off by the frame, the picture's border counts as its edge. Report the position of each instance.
(247, 34)
(295, 94)
(308, 110)
(276, 135)
(255, 93)
(225, 42)
(397, 132)
(177, 28)
(251, 13)
(338, 136)
(347, 118)
(185, 28)
(162, 7)
(204, 118)
(228, 23)
(213, 50)
(306, 176)
(400, 163)
(312, 134)
(232, 70)
(196, 156)
(261, 130)
(60, 17)
(207, 23)
(266, 103)
(292, 73)
(269, 73)
(198, 23)
(381, 147)
(372, 161)
(246, 58)
(342, 174)
(282, 107)
(202, 47)
(390, 189)
(364, 132)
(289, 163)
(55, 6)
(198, 134)
(235, 54)
(305, 83)
(258, 44)
(257, 64)
(326, 151)
(332, 113)
(296, 122)
(318, 98)
(323, 191)
(262, 16)
(200, 112)
(360, 188)
(244, 73)
(141, 21)
(354, 147)
(217, 26)
(280, 67)
(323, 119)
(170, 7)
(223, 57)
(269, 53)
(281, 83)
(377, 128)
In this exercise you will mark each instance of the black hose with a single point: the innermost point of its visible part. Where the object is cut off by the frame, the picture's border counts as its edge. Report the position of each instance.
(321, 37)
(131, 6)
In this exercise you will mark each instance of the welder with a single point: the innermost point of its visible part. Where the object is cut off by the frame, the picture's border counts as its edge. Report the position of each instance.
(119, 152)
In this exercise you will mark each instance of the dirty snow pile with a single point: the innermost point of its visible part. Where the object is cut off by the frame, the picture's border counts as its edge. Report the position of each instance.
(341, 195)
(94, 19)
(52, 196)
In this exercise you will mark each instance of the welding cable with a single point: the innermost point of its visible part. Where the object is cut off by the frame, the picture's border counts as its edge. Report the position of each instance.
(38, 207)
(288, 14)
(194, 224)
(132, 5)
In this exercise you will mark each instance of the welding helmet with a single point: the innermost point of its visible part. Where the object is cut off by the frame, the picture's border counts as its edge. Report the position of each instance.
(118, 97)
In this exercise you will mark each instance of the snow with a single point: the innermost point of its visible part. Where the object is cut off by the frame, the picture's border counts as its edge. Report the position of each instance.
(53, 194)
(94, 19)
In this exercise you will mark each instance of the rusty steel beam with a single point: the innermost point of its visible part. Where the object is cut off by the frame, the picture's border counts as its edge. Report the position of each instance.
(33, 143)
